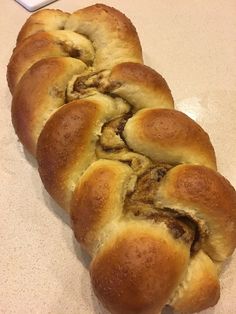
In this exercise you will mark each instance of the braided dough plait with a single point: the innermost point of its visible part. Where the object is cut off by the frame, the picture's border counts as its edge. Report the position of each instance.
(32, 104)
(44, 20)
(113, 35)
(137, 177)
(52, 33)
(59, 43)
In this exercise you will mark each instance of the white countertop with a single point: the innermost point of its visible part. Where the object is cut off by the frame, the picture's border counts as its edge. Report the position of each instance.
(193, 45)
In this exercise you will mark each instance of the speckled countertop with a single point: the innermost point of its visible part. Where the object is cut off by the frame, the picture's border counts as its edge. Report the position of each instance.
(193, 45)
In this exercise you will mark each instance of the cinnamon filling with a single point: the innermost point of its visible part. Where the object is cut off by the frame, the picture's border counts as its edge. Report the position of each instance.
(201, 230)
(147, 186)
(112, 145)
(111, 139)
(141, 205)
(98, 80)
(72, 52)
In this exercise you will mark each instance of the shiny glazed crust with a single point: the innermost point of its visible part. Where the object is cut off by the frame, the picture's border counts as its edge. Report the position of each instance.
(137, 177)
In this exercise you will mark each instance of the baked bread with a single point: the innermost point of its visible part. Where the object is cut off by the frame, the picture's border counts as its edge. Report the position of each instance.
(138, 178)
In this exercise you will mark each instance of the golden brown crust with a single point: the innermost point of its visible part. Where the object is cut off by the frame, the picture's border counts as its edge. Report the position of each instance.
(44, 45)
(66, 146)
(169, 136)
(129, 83)
(43, 20)
(98, 199)
(130, 72)
(209, 196)
(125, 80)
(137, 269)
(28, 52)
(38, 94)
(63, 144)
(113, 35)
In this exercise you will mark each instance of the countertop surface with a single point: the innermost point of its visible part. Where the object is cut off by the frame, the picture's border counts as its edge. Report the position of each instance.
(193, 45)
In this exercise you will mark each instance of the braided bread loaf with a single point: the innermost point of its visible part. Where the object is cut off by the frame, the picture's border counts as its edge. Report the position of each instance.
(137, 176)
